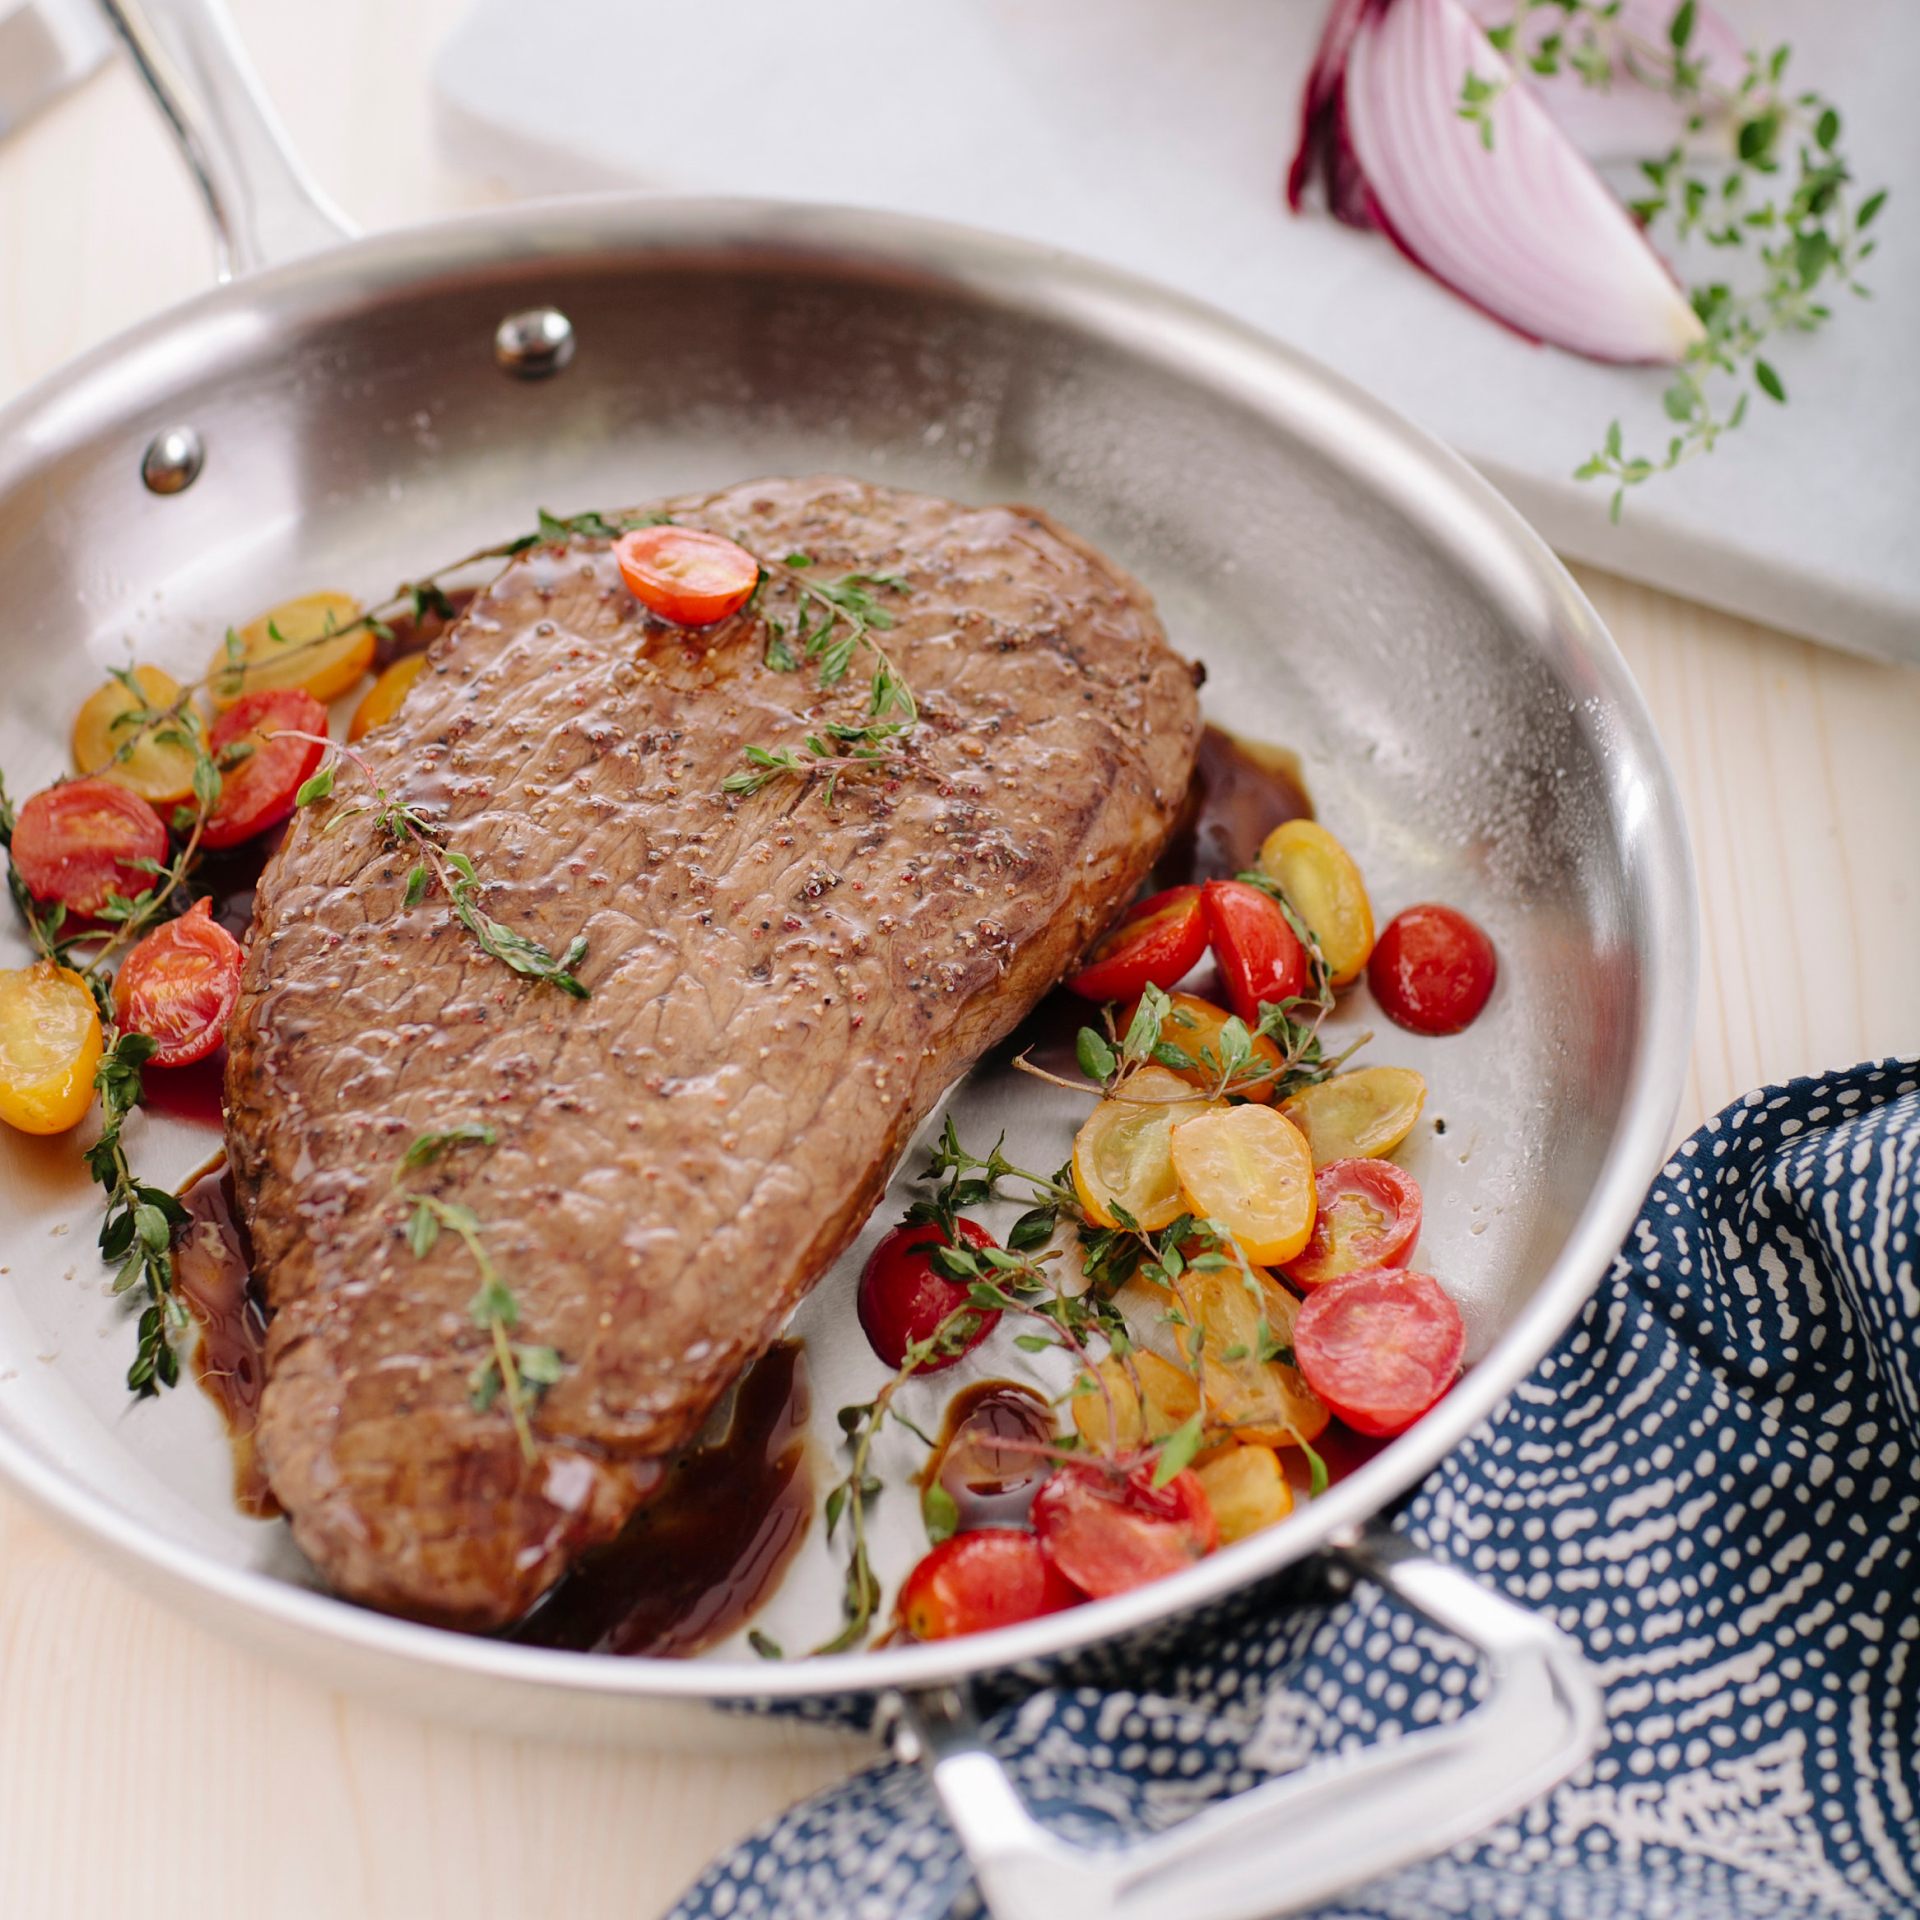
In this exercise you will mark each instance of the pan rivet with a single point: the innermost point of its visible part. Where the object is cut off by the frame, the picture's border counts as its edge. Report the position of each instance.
(173, 460)
(533, 344)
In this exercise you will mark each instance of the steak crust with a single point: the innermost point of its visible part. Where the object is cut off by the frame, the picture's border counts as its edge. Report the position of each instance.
(781, 988)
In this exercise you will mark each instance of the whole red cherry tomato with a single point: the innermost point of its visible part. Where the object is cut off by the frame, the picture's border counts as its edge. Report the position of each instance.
(1431, 970)
(179, 985)
(1260, 955)
(685, 575)
(257, 791)
(1109, 1531)
(902, 1299)
(76, 844)
(978, 1581)
(1159, 942)
(1368, 1216)
(1379, 1346)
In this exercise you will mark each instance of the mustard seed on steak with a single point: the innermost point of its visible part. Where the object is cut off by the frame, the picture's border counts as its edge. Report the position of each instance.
(781, 988)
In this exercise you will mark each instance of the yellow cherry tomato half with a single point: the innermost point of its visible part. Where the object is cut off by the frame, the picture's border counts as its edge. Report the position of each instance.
(1252, 1171)
(49, 1047)
(382, 700)
(1358, 1115)
(1317, 874)
(310, 644)
(110, 739)
(1121, 1157)
(1261, 1402)
(1145, 1399)
(1193, 1025)
(1246, 1490)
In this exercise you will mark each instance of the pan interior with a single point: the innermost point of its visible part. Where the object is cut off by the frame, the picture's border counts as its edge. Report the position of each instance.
(1458, 714)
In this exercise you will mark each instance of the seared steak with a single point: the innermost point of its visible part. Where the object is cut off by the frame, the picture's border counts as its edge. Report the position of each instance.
(781, 987)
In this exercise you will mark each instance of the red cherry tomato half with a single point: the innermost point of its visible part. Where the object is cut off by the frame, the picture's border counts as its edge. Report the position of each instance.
(179, 985)
(978, 1581)
(74, 843)
(257, 792)
(684, 575)
(902, 1299)
(1260, 955)
(1368, 1216)
(1109, 1532)
(1379, 1346)
(1431, 970)
(1160, 941)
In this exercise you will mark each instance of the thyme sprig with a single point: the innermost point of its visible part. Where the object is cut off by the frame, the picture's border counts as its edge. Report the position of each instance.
(137, 1232)
(407, 826)
(837, 618)
(1808, 239)
(854, 1495)
(515, 1371)
(1783, 187)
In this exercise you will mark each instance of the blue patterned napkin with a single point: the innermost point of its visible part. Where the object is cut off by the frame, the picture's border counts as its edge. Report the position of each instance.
(1711, 1482)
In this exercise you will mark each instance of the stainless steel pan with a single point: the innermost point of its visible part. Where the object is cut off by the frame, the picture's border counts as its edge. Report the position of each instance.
(343, 412)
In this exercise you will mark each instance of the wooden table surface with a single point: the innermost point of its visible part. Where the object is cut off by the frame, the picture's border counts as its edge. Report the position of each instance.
(145, 1767)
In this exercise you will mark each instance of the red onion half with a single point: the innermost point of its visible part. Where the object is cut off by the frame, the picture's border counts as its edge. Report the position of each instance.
(1526, 229)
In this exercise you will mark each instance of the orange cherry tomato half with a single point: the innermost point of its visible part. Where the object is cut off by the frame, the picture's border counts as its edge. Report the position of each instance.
(76, 843)
(1432, 970)
(1379, 1346)
(684, 575)
(257, 792)
(978, 1581)
(1259, 954)
(902, 1299)
(1110, 1531)
(381, 701)
(1369, 1216)
(179, 985)
(1160, 941)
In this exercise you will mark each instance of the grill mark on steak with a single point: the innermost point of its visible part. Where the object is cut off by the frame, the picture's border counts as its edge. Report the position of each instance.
(779, 994)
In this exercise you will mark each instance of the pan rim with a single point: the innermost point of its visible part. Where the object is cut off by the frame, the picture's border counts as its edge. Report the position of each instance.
(1380, 451)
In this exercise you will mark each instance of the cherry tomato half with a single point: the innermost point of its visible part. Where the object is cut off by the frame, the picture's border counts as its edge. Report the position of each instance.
(1379, 1346)
(1369, 1216)
(1431, 970)
(76, 843)
(1160, 941)
(902, 1299)
(381, 701)
(50, 1046)
(685, 575)
(1260, 956)
(1109, 1531)
(978, 1581)
(257, 792)
(179, 985)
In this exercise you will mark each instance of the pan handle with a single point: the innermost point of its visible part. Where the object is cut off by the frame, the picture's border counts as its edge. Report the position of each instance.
(263, 204)
(1298, 1840)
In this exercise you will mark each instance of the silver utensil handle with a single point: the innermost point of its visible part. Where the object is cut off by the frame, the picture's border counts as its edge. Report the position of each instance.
(1298, 1840)
(263, 204)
